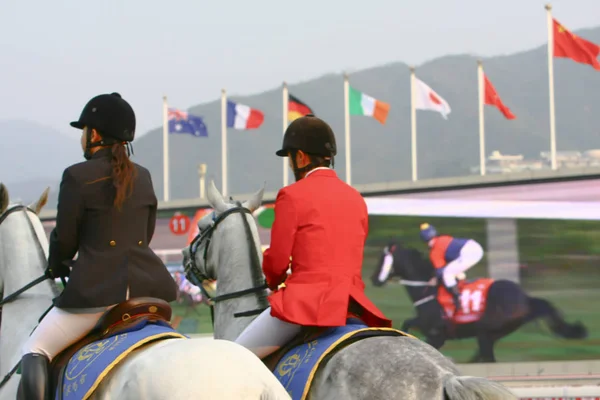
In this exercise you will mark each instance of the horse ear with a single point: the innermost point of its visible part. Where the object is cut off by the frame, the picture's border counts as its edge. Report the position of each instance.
(215, 198)
(38, 205)
(4, 199)
(255, 201)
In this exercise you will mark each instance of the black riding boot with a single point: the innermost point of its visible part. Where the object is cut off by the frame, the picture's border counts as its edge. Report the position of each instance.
(456, 296)
(35, 382)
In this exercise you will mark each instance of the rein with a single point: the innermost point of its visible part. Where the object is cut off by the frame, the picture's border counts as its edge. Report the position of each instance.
(194, 275)
(425, 299)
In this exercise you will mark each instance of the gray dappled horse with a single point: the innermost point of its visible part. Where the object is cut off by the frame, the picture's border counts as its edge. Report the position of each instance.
(162, 370)
(228, 249)
(508, 307)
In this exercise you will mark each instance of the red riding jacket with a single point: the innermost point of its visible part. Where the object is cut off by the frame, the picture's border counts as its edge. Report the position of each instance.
(322, 224)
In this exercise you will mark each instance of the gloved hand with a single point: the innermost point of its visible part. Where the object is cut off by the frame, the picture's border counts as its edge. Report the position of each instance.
(58, 271)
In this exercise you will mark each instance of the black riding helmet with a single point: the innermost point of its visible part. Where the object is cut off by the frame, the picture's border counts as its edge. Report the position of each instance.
(111, 116)
(313, 136)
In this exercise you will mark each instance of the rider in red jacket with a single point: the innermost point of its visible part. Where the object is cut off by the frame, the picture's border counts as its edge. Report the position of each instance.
(322, 224)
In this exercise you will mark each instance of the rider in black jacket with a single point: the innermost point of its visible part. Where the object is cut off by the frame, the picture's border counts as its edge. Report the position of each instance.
(107, 214)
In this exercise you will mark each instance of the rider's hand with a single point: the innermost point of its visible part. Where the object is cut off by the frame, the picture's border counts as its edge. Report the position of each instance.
(58, 271)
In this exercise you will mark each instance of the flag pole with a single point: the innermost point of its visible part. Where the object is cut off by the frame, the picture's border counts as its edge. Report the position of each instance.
(347, 127)
(223, 143)
(413, 124)
(285, 124)
(481, 96)
(551, 85)
(165, 150)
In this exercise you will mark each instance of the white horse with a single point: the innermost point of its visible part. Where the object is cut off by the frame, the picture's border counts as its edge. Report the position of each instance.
(167, 369)
(402, 367)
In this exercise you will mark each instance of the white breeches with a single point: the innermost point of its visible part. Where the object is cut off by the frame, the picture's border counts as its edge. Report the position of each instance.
(58, 330)
(470, 254)
(266, 334)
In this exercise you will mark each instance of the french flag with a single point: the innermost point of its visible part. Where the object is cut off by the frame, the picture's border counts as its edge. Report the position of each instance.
(240, 116)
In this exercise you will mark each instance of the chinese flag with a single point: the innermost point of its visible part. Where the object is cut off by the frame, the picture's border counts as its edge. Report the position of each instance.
(571, 46)
(491, 98)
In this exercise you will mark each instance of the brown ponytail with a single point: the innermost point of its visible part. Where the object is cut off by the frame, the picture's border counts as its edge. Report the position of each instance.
(123, 174)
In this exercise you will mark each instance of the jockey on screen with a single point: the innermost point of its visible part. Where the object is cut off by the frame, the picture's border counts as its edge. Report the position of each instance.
(450, 257)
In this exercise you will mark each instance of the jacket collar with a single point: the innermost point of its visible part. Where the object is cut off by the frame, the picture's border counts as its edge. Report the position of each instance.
(320, 171)
(102, 152)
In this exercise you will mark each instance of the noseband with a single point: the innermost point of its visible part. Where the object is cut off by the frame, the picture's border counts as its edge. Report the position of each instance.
(195, 276)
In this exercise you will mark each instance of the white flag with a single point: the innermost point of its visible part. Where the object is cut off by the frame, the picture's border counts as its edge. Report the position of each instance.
(427, 99)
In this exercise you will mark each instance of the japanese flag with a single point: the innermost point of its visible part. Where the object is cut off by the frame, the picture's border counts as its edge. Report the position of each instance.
(427, 99)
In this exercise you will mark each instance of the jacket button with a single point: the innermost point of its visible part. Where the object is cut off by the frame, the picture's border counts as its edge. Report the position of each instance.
(140, 243)
(112, 243)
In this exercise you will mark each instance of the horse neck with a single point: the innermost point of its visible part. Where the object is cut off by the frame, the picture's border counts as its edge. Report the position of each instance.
(22, 260)
(237, 271)
(415, 276)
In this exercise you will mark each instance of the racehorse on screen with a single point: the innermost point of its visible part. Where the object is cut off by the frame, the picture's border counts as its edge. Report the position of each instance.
(489, 309)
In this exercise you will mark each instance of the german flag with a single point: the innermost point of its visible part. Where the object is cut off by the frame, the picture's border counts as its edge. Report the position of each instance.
(297, 108)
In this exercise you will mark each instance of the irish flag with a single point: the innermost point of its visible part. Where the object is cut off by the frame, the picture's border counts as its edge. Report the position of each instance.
(240, 116)
(363, 104)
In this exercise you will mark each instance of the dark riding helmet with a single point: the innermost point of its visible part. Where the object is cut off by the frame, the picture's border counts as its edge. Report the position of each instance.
(428, 232)
(310, 134)
(110, 115)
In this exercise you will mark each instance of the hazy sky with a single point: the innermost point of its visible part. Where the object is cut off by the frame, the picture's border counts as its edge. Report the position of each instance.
(57, 54)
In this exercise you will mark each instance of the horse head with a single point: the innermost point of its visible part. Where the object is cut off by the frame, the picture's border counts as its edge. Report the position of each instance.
(397, 261)
(17, 222)
(227, 249)
(23, 258)
(211, 243)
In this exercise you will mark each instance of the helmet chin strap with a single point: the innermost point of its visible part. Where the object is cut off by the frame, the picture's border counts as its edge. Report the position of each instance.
(87, 154)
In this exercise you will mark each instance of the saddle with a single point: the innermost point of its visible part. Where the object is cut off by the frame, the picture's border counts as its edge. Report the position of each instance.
(123, 317)
(308, 334)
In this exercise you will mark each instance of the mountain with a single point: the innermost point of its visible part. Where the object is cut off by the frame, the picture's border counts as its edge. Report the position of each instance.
(382, 152)
(32, 157)
(379, 152)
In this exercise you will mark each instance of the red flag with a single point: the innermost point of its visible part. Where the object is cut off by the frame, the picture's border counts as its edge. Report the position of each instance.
(569, 45)
(491, 98)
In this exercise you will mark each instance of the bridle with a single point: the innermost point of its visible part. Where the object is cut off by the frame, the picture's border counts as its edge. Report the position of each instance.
(196, 276)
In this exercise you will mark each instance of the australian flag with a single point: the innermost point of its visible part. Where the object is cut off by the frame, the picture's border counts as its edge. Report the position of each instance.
(182, 122)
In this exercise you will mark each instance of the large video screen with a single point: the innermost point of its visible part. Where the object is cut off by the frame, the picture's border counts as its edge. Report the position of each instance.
(539, 292)
(545, 310)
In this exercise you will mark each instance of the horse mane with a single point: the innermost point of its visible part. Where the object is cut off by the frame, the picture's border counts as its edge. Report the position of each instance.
(414, 263)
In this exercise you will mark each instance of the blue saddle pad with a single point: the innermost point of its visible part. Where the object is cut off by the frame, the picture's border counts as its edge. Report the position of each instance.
(297, 367)
(86, 368)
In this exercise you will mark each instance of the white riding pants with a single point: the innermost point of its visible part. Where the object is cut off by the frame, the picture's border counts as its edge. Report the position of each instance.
(58, 330)
(61, 328)
(266, 334)
(470, 254)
